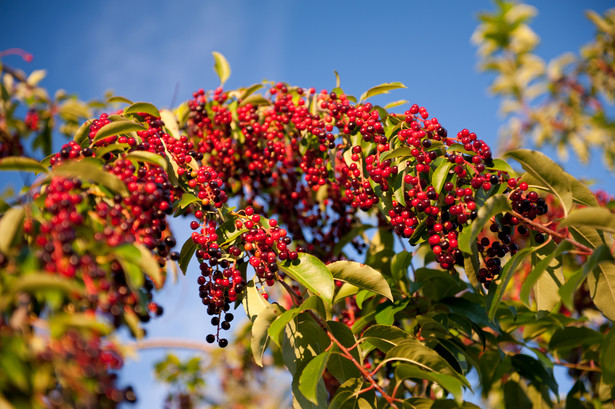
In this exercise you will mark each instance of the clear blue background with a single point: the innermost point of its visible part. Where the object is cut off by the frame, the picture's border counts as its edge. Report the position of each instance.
(160, 52)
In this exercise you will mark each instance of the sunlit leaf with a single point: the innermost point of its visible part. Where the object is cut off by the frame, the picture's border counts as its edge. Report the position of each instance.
(147, 157)
(311, 273)
(10, 225)
(118, 128)
(381, 89)
(144, 107)
(222, 67)
(260, 335)
(599, 218)
(360, 275)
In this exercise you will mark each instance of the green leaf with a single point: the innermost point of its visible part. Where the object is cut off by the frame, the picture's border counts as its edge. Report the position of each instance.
(534, 371)
(400, 152)
(567, 338)
(471, 265)
(59, 324)
(118, 128)
(35, 77)
(538, 270)
(90, 169)
(413, 352)
(508, 271)
(116, 98)
(385, 312)
(10, 225)
(450, 383)
(187, 199)
(346, 290)
(253, 302)
(499, 164)
(395, 104)
(312, 374)
(599, 218)
(277, 327)
(381, 89)
(170, 123)
(134, 275)
(83, 133)
(547, 173)
(438, 178)
(132, 320)
(249, 91)
(515, 397)
(260, 335)
(607, 358)
(139, 107)
(494, 205)
(383, 337)
(222, 67)
(311, 273)
(438, 284)
(147, 157)
(44, 282)
(339, 365)
(186, 253)
(468, 309)
(400, 263)
(600, 262)
(22, 164)
(348, 395)
(360, 275)
(354, 232)
(149, 265)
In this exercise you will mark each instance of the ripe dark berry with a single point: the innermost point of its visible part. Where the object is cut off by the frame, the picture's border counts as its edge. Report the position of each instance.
(222, 343)
(210, 338)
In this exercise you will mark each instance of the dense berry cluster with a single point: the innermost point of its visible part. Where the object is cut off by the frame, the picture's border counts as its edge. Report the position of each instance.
(88, 380)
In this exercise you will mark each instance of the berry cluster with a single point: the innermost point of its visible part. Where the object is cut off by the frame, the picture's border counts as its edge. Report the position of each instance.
(86, 380)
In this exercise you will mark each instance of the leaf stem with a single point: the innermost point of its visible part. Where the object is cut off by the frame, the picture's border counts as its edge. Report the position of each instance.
(551, 232)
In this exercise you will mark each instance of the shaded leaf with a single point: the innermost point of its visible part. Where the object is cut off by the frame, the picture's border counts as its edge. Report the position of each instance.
(508, 271)
(413, 352)
(449, 383)
(564, 339)
(607, 358)
(186, 253)
(277, 327)
(534, 371)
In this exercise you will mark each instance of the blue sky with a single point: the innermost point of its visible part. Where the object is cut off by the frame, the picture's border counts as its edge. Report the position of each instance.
(160, 51)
